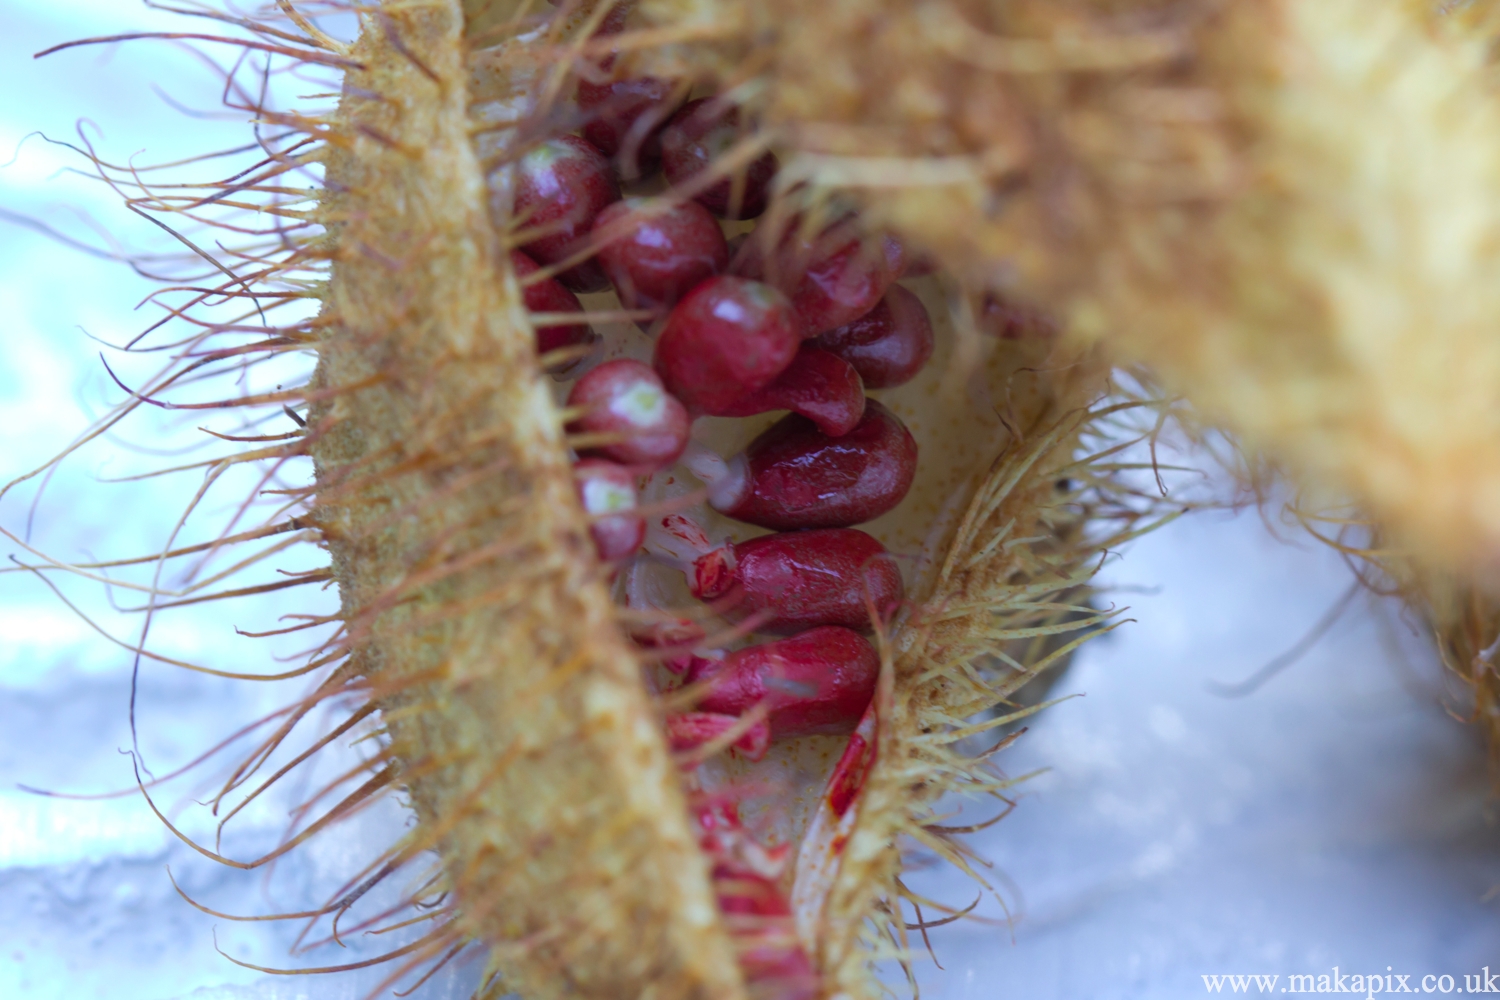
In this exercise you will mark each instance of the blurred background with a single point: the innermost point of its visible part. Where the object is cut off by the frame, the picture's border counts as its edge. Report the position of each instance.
(1337, 815)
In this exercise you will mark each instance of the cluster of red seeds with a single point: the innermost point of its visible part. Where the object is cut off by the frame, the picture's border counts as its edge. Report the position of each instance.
(799, 318)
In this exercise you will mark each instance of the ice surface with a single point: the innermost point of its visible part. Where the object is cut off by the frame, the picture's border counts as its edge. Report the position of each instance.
(1338, 816)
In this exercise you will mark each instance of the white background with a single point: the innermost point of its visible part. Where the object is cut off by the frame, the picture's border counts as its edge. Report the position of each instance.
(1339, 816)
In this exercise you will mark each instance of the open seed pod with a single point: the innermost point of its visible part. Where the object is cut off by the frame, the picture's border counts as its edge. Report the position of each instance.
(629, 778)
(1286, 210)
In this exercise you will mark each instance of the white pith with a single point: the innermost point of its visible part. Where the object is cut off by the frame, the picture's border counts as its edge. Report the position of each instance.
(600, 496)
(641, 405)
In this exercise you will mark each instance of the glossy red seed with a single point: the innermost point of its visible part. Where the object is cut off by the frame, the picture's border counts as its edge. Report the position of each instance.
(817, 682)
(700, 133)
(821, 386)
(608, 493)
(725, 339)
(795, 476)
(691, 730)
(561, 185)
(549, 296)
(802, 578)
(626, 398)
(839, 286)
(887, 345)
(658, 254)
(832, 278)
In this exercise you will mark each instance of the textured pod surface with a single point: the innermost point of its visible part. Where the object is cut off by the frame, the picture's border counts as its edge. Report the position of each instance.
(544, 778)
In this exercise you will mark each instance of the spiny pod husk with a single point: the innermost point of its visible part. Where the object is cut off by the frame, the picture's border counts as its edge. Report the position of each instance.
(518, 721)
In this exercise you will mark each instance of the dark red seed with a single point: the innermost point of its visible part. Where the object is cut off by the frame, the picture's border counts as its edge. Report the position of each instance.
(832, 278)
(627, 398)
(832, 576)
(727, 338)
(839, 286)
(887, 345)
(625, 118)
(691, 730)
(817, 682)
(700, 133)
(561, 185)
(608, 494)
(658, 253)
(795, 476)
(821, 386)
(549, 296)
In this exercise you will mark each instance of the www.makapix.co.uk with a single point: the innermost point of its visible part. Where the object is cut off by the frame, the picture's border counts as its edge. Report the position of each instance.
(1369, 984)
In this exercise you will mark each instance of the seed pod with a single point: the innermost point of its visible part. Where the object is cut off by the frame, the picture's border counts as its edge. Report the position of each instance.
(887, 345)
(819, 385)
(820, 681)
(608, 491)
(559, 187)
(626, 398)
(795, 476)
(726, 339)
(833, 576)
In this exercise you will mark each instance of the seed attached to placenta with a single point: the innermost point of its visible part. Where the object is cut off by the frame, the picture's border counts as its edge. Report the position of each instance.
(549, 296)
(833, 576)
(560, 186)
(609, 495)
(821, 386)
(626, 398)
(817, 682)
(795, 476)
(659, 253)
(726, 339)
(887, 345)
(702, 132)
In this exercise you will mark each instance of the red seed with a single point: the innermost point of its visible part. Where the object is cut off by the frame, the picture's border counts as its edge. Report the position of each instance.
(626, 118)
(817, 682)
(887, 345)
(727, 338)
(626, 397)
(821, 386)
(561, 185)
(802, 578)
(832, 278)
(549, 296)
(701, 132)
(660, 253)
(691, 730)
(795, 476)
(608, 491)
